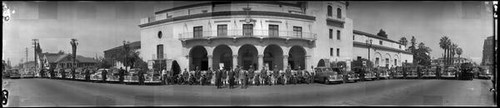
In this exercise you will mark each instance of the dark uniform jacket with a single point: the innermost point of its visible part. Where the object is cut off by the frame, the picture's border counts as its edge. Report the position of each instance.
(103, 74)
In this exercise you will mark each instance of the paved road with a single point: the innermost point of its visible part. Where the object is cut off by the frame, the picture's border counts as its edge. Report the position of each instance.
(49, 92)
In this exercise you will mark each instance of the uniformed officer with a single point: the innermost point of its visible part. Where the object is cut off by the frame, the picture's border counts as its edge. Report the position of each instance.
(185, 76)
(197, 74)
(244, 80)
(224, 77)
(251, 73)
(276, 72)
(288, 75)
(122, 74)
(218, 78)
(209, 76)
(237, 72)
(104, 75)
(87, 74)
(141, 76)
(257, 80)
(230, 76)
(263, 74)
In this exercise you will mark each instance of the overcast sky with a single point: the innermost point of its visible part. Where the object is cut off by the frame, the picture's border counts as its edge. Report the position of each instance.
(99, 26)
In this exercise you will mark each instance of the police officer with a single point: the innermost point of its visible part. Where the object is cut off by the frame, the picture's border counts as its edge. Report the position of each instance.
(87, 74)
(230, 76)
(197, 74)
(245, 79)
(218, 78)
(185, 76)
(251, 73)
(224, 76)
(288, 75)
(122, 74)
(276, 72)
(141, 76)
(242, 75)
(209, 76)
(263, 74)
(104, 75)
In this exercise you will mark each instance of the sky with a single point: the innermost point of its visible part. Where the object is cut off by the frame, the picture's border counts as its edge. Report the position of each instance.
(99, 26)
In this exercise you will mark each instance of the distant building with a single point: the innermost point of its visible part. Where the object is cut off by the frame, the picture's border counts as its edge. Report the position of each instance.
(487, 51)
(111, 54)
(61, 60)
(456, 61)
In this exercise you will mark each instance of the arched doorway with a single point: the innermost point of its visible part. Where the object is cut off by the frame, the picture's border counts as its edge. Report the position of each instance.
(223, 54)
(273, 55)
(175, 67)
(199, 58)
(321, 63)
(297, 57)
(247, 55)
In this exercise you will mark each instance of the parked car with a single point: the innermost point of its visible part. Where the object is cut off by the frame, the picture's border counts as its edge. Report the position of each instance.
(6, 73)
(68, 73)
(327, 75)
(14, 73)
(412, 72)
(28, 74)
(132, 76)
(383, 73)
(429, 73)
(483, 73)
(113, 75)
(79, 74)
(152, 77)
(398, 73)
(97, 75)
(351, 76)
(449, 72)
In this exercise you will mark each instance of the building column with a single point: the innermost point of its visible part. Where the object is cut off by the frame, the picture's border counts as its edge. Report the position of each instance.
(210, 61)
(188, 63)
(235, 61)
(285, 62)
(261, 62)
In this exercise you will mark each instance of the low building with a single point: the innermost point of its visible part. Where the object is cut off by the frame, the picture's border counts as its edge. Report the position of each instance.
(456, 61)
(61, 60)
(111, 55)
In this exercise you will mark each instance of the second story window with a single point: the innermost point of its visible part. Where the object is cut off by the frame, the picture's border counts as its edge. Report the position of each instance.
(338, 52)
(339, 13)
(297, 31)
(159, 51)
(222, 30)
(338, 34)
(380, 42)
(247, 29)
(353, 37)
(273, 31)
(160, 34)
(329, 10)
(331, 51)
(330, 33)
(198, 31)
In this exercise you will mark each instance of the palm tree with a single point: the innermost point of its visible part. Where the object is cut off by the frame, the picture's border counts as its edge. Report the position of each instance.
(74, 44)
(453, 50)
(443, 44)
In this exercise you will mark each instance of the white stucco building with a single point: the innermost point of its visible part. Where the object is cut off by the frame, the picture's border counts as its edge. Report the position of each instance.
(299, 34)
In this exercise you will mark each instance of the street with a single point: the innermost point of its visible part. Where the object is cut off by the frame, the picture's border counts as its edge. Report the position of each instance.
(49, 92)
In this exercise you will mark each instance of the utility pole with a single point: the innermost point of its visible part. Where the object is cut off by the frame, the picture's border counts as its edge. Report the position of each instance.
(35, 43)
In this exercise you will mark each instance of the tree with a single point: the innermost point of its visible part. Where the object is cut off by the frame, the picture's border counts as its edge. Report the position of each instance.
(74, 45)
(103, 63)
(421, 55)
(403, 41)
(453, 48)
(444, 43)
(382, 33)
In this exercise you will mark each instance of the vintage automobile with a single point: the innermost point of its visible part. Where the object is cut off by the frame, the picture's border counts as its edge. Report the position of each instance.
(483, 73)
(113, 75)
(6, 73)
(466, 71)
(398, 73)
(68, 73)
(152, 77)
(449, 73)
(327, 75)
(383, 73)
(131, 76)
(15, 73)
(351, 76)
(79, 74)
(429, 73)
(412, 72)
(28, 74)
(97, 76)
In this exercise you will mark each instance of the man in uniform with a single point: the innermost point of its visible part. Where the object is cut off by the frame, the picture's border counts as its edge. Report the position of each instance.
(185, 76)
(224, 77)
(251, 73)
(122, 74)
(218, 78)
(288, 74)
(276, 72)
(263, 74)
(230, 76)
(209, 75)
(87, 74)
(141, 76)
(104, 75)
(197, 74)
(244, 78)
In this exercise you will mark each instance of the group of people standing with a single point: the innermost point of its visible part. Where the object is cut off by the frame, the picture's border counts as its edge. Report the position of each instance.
(233, 77)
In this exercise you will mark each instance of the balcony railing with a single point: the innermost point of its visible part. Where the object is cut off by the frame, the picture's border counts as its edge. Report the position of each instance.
(251, 33)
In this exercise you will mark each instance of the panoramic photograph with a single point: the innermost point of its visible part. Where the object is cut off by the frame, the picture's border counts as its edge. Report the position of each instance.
(249, 53)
